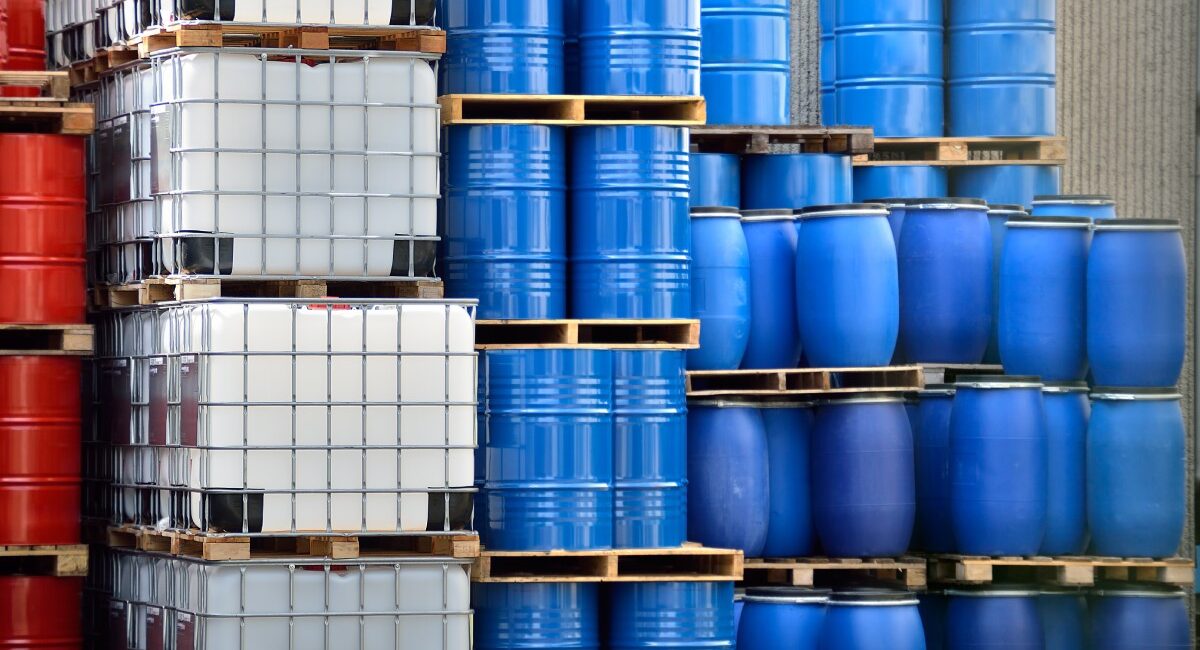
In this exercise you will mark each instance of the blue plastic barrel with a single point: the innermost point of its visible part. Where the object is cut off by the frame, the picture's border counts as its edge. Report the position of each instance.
(633, 47)
(503, 46)
(782, 617)
(795, 181)
(1064, 618)
(828, 14)
(738, 605)
(945, 259)
(1067, 410)
(932, 607)
(900, 181)
(931, 434)
(998, 466)
(523, 616)
(1140, 617)
(1005, 184)
(570, 10)
(728, 493)
(550, 449)
(649, 449)
(1043, 291)
(998, 216)
(1136, 472)
(1001, 56)
(872, 619)
(895, 208)
(790, 531)
(774, 335)
(716, 180)
(1097, 206)
(745, 72)
(682, 615)
(994, 617)
(720, 289)
(630, 230)
(863, 477)
(889, 66)
(506, 219)
(1136, 303)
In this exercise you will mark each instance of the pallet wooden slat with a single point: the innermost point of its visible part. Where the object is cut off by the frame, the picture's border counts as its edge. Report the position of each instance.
(157, 290)
(803, 381)
(687, 563)
(306, 37)
(761, 139)
(49, 113)
(1068, 571)
(676, 334)
(339, 547)
(802, 572)
(960, 152)
(572, 110)
(46, 339)
(57, 560)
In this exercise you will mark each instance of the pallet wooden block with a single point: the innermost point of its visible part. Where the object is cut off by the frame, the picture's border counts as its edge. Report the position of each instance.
(963, 152)
(572, 110)
(803, 381)
(171, 289)
(305, 37)
(664, 334)
(762, 139)
(58, 560)
(802, 572)
(687, 563)
(52, 112)
(76, 340)
(1066, 571)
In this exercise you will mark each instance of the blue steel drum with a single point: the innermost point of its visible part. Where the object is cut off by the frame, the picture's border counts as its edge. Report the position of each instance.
(1067, 410)
(889, 66)
(649, 449)
(872, 619)
(995, 617)
(847, 288)
(1140, 617)
(1136, 303)
(745, 72)
(1005, 184)
(630, 230)
(1001, 56)
(506, 220)
(522, 616)
(998, 465)
(728, 489)
(503, 46)
(900, 181)
(863, 477)
(932, 607)
(828, 12)
(1043, 292)
(1095, 207)
(720, 289)
(1064, 618)
(682, 615)
(790, 531)
(945, 259)
(716, 180)
(1136, 472)
(570, 10)
(795, 181)
(932, 440)
(550, 449)
(782, 617)
(633, 47)
(998, 216)
(774, 335)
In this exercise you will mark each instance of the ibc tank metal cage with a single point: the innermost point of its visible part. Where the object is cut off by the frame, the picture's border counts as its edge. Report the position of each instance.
(72, 32)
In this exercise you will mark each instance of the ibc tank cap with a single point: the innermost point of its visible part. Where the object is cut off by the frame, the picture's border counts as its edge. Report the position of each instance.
(787, 595)
(1074, 199)
(1136, 224)
(999, 381)
(873, 598)
(1118, 394)
(844, 210)
(773, 214)
(715, 211)
(1025, 221)
(947, 204)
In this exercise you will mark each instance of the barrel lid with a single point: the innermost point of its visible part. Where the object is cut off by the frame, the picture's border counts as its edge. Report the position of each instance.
(891, 202)
(938, 390)
(794, 595)
(844, 210)
(951, 203)
(1025, 221)
(1007, 208)
(1065, 387)
(773, 214)
(999, 381)
(1136, 224)
(1076, 199)
(1138, 590)
(872, 597)
(715, 211)
(995, 591)
(864, 398)
(1119, 394)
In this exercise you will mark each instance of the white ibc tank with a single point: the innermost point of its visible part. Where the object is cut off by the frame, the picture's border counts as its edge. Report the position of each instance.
(313, 12)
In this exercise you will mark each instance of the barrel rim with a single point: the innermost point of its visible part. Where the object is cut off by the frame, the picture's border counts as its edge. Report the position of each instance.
(1059, 590)
(890, 202)
(1126, 394)
(1007, 208)
(872, 398)
(1051, 221)
(1074, 199)
(844, 210)
(873, 597)
(767, 214)
(788, 595)
(1137, 224)
(938, 390)
(948, 203)
(999, 381)
(710, 211)
(723, 403)
(1065, 387)
(996, 591)
(790, 404)
(1139, 590)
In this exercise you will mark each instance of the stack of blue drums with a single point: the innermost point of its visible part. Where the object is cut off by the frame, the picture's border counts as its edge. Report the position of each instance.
(846, 619)
(746, 67)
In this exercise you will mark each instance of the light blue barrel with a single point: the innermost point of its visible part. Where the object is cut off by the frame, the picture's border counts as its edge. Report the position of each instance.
(1092, 206)
(570, 10)
(525, 616)
(728, 490)
(1064, 618)
(716, 180)
(1001, 55)
(720, 289)
(828, 13)
(680, 615)
(506, 219)
(1140, 616)
(782, 617)
(549, 449)
(1005, 184)
(649, 449)
(872, 619)
(998, 216)
(633, 47)
(503, 46)
(899, 181)
(745, 72)
(790, 529)
(630, 230)
(931, 435)
(889, 66)
(774, 336)
(1067, 410)
(994, 617)
(795, 181)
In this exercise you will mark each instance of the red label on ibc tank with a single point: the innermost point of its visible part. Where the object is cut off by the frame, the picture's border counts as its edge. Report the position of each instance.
(155, 628)
(185, 631)
(158, 401)
(189, 403)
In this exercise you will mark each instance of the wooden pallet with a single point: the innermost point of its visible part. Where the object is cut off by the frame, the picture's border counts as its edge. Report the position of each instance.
(688, 563)
(965, 152)
(106, 59)
(763, 139)
(1067, 571)
(46, 339)
(156, 290)
(803, 381)
(572, 110)
(949, 373)
(60, 560)
(304, 37)
(664, 334)
(52, 112)
(802, 572)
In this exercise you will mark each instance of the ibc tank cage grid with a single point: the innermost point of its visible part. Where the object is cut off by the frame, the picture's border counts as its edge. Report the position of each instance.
(236, 456)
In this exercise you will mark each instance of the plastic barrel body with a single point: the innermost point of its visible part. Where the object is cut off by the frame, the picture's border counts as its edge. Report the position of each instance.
(720, 290)
(932, 438)
(1091, 206)
(890, 622)
(633, 47)
(1140, 619)
(716, 180)
(1005, 184)
(794, 181)
(1064, 619)
(998, 217)
(774, 340)
(828, 13)
(932, 607)
(682, 615)
(746, 66)
(790, 531)
(781, 617)
(728, 497)
(521, 616)
(501, 46)
(1067, 410)
(903, 181)
(994, 619)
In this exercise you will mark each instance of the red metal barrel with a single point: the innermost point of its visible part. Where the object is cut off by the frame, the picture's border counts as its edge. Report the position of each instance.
(40, 613)
(26, 34)
(39, 449)
(42, 230)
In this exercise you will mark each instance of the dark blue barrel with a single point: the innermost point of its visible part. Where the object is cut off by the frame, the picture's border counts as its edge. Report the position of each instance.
(847, 287)
(945, 261)
(1140, 617)
(903, 181)
(889, 66)
(998, 216)
(774, 335)
(716, 180)
(1001, 56)
(1136, 473)
(932, 607)
(519, 616)
(682, 615)
(790, 531)
(506, 219)
(728, 493)
(1005, 184)
(630, 230)
(782, 617)
(1043, 291)
(828, 12)
(1067, 410)
(633, 47)
(863, 477)
(1136, 303)
(794, 181)
(994, 617)
(1097, 206)
(503, 46)
(649, 449)
(570, 10)
(720, 289)
(932, 439)
(738, 606)
(549, 449)
(998, 466)
(745, 72)
(1064, 618)
(872, 619)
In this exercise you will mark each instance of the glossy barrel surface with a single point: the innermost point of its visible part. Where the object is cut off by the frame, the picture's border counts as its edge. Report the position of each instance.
(994, 618)
(901, 181)
(931, 430)
(716, 180)
(632, 47)
(790, 529)
(728, 493)
(40, 612)
(866, 621)
(1067, 411)
(503, 46)
(745, 73)
(1140, 617)
(774, 340)
(775, 617)
(517, 616)
(1005, 184)
(720, 290)
(795, 181)
(682, 615)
